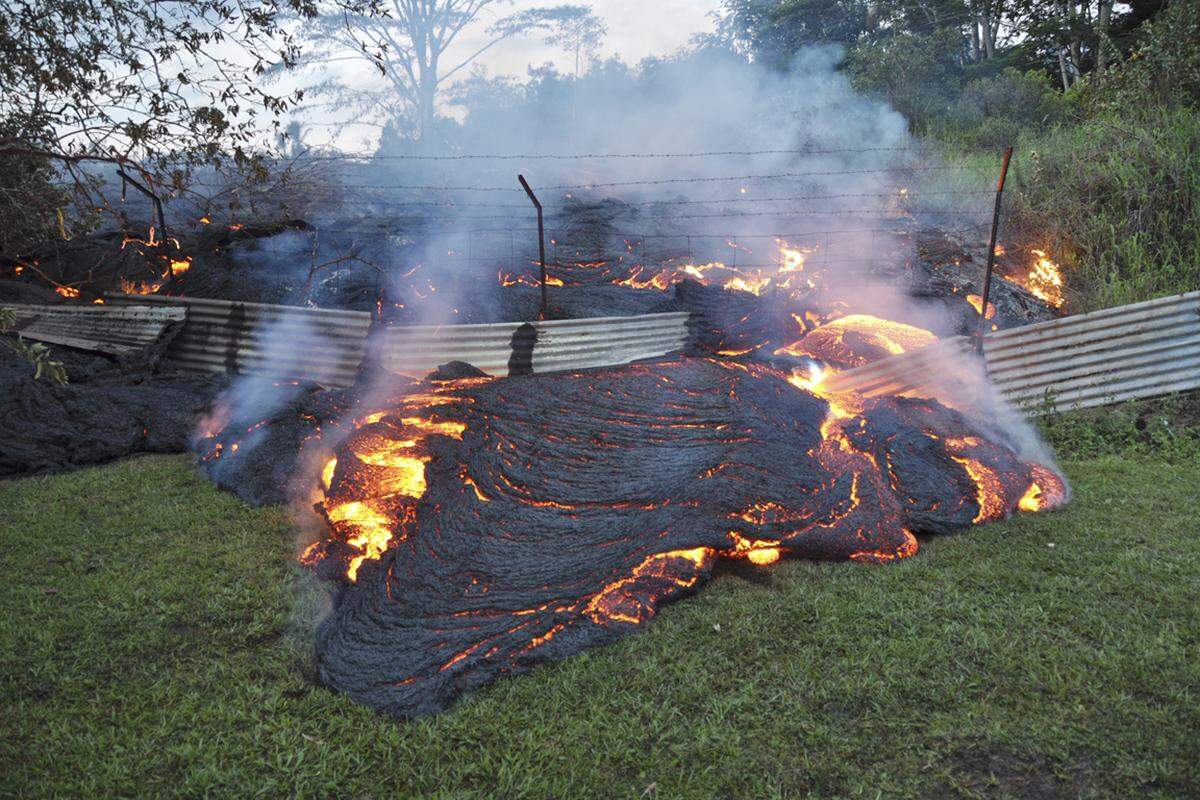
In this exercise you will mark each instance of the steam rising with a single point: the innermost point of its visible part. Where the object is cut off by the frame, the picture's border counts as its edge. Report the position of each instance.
(794, 157)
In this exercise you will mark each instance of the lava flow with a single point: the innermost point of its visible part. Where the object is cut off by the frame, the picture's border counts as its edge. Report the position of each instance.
(480, 526)
(475, 526)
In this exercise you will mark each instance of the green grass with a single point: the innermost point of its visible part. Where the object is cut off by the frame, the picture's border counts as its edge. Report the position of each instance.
(154, 640)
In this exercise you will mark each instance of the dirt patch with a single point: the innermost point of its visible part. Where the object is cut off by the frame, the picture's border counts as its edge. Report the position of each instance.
(993, 770)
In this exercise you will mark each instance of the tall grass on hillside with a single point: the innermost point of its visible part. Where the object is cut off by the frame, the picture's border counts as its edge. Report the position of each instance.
(1116, 201)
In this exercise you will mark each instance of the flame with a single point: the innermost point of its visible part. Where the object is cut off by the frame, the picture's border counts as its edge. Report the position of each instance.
(718, 273)
(67, 291)
(509, 279)
(1044, 280)
(754, 285)
(791, 258)
(142, 287)
(181, 265)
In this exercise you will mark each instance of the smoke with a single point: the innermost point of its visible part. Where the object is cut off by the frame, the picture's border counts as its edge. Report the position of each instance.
(699, 158)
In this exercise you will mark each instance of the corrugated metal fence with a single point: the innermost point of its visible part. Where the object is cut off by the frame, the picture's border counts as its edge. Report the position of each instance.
(95, 327)
(328, 346)
(1132, 351)
(1123, 353)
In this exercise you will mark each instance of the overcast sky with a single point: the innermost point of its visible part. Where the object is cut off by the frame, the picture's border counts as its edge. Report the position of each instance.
(636, 29)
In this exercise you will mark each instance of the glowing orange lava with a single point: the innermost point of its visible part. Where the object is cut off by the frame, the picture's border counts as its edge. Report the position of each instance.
(828, 342)
(977, 303)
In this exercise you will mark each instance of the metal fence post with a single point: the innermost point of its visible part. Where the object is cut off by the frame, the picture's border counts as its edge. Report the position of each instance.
(541, 239)
(991, 255)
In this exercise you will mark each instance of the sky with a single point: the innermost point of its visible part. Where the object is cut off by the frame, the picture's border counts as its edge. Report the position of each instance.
(636, 29)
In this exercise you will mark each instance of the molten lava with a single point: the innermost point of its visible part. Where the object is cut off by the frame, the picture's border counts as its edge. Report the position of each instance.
(480, 526)
(858, 339)
(977, 303)
(786, 274)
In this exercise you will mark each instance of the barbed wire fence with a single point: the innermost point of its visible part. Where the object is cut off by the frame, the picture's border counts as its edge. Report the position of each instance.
(363, 211)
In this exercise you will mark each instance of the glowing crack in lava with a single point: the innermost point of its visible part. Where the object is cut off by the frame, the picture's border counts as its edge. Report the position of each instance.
(787, 273)
(478, 527)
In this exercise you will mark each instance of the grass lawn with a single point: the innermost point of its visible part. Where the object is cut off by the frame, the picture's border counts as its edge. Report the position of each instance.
(155, 640)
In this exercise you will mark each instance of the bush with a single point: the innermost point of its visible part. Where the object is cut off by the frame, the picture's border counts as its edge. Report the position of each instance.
(915, 73)
(995, 111)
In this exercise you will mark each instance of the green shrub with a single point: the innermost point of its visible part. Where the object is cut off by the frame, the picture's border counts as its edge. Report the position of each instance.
(1166, 429)
(36, 354)
(995, 111)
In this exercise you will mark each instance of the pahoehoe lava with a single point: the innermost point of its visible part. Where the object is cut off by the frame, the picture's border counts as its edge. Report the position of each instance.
(476, 527)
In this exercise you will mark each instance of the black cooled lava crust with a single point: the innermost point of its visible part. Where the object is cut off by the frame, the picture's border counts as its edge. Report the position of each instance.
(559, 511)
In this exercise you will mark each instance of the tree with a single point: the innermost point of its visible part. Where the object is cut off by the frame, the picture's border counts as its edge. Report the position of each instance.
(148, 85)
(140, 79)
(772, 32)
(579, 32)
(406, 41)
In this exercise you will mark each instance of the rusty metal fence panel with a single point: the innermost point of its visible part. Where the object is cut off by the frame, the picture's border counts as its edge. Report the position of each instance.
(100, 328)
(549, 346)
(321, 345)
(1128, 352)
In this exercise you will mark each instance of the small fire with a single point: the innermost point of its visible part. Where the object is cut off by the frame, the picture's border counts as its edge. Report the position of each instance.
(790, 263)
(140, 287)
(754, 285)
(1044, 280)
(67, 291)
